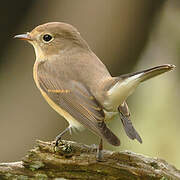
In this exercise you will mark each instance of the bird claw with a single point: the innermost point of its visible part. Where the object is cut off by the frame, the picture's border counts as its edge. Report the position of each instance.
(57, 142)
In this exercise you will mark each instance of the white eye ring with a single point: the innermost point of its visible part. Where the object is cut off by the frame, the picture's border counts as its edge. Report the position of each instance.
(47, 38)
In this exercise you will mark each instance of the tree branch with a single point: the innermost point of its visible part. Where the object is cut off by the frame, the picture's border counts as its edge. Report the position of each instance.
(73, 160)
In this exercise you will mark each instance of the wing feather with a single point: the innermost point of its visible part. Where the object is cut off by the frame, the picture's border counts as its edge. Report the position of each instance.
(77, 100)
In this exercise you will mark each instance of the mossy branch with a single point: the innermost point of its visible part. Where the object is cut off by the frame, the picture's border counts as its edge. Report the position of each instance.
(78, 161)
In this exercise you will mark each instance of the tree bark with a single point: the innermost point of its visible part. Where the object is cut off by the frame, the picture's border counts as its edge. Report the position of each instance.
(73, 160)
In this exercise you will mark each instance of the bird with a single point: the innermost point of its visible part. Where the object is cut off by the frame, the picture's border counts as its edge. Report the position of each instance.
(78, 86)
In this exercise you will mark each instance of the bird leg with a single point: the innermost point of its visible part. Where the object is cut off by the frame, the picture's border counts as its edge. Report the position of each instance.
(99, 155)
(58, 137)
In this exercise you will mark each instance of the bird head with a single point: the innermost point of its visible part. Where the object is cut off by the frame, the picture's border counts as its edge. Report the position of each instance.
(53, 38)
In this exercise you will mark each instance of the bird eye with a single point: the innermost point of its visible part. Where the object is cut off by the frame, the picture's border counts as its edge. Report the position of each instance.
(47, 37)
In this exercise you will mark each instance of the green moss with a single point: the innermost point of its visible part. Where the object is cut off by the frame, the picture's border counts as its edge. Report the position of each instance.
(21, 177)
(15, 177)
(36, 165)
(41, 176)
(8, 175)
(164, 178)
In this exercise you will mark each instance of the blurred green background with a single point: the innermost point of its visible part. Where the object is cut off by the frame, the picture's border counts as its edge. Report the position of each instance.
(127, 36)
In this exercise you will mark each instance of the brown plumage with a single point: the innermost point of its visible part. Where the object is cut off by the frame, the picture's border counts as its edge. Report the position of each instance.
(78, 85)
(76, 99)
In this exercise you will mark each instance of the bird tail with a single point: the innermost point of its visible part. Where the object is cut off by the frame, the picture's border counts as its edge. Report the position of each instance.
(124, 85)
(151, 72)
(108, 134)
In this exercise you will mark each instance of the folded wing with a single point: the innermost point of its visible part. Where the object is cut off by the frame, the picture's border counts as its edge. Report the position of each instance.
(77, 100)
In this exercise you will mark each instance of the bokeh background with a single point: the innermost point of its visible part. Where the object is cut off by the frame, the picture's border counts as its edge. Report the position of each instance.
(127, 36)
